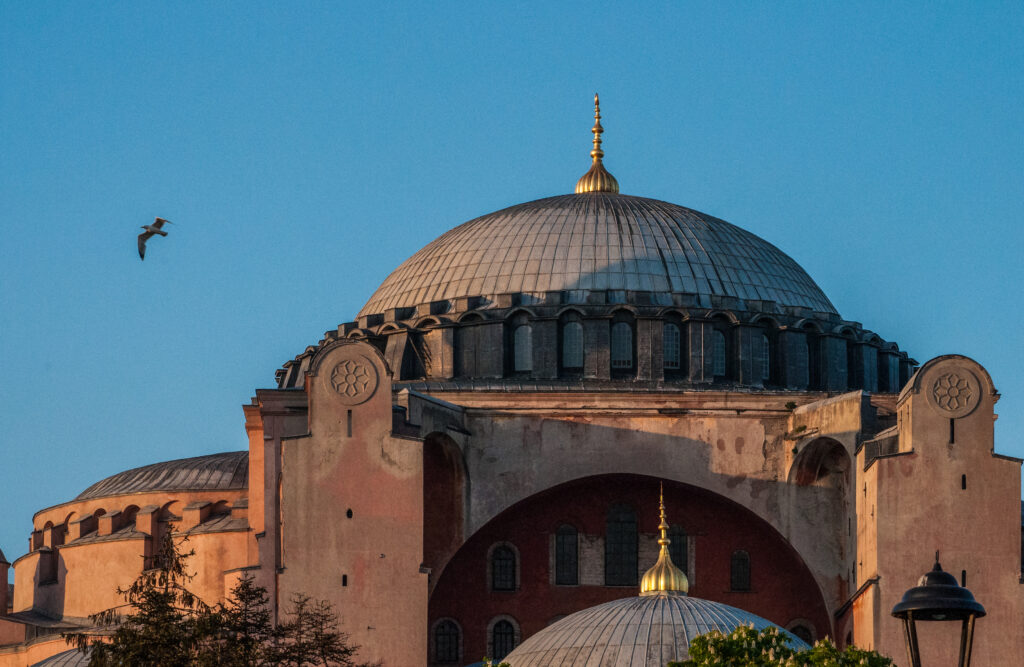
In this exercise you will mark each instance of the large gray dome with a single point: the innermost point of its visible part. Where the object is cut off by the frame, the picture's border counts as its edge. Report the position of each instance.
(642, 631)
(597, 241)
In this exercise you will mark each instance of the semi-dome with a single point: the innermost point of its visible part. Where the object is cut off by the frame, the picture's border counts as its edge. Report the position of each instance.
(225, 471)
(599, 241)
(636, 631)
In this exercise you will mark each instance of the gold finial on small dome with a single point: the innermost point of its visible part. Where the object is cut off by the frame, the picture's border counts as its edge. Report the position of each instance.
(597, 179)
(664, 577)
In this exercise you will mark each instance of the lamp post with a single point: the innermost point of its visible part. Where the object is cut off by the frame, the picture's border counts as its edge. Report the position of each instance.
(938, 597)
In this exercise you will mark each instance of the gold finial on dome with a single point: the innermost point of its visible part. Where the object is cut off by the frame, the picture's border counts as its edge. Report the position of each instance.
(664, 577)
(597, 179)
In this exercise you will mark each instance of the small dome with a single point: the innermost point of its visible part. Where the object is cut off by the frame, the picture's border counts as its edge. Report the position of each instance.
(226, 471)
(645, 631)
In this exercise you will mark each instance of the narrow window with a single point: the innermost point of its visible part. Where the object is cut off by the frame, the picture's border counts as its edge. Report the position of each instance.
(622, 345)
(503, 640)
(963, 482)
(963, 578)
(566, 551)
(718, 353)
(349, 424)
(739, 574)
(620, 547)
(446, 642)
(523, 348)
(671, 344)
(952, 431)
(572, 345)
(344, 580)
(766, 358)
(677, 549)
(503, 569)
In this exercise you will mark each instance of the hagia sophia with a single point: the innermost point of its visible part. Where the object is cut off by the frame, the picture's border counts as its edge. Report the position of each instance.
(578, 430)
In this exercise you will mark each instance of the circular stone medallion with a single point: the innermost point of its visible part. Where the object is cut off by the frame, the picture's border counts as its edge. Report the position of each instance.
(953, 391)
(353, 379)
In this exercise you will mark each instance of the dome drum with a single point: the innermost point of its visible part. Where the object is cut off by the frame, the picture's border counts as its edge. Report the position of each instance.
(675, 340)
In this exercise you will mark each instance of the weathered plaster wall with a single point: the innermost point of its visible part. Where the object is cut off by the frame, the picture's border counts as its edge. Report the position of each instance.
(368, 563)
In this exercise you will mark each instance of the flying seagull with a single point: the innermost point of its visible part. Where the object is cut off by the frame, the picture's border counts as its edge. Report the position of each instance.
(151, 230)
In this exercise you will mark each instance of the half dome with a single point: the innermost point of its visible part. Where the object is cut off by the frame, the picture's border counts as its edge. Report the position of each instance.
(225, 471)
(599, 241)
(636, 631)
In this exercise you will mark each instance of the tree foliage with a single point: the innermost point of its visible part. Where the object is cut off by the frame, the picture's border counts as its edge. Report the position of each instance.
(746, 647)
(162, 624)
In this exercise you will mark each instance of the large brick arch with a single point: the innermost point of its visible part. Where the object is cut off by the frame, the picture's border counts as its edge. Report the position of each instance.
(783, 589)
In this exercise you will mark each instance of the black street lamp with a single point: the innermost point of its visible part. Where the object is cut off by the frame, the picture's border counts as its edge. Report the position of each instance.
(938, 597)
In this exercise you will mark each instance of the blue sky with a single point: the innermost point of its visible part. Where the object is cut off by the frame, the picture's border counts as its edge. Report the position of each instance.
(305, 149)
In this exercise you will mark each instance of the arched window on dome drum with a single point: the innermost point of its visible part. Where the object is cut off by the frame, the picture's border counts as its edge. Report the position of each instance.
(672, 347)
(766, 358)
(503, 640)
(503, 569)
(620, 547)
(678, 548)
(522, 345)
(622, 346)
(739, 571)
(572, 346)
(447, 638)
(566, 556)
(718, 353)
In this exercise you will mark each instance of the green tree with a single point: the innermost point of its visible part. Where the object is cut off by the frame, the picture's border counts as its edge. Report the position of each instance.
(161, 627)
(746, 647)
(163, 624)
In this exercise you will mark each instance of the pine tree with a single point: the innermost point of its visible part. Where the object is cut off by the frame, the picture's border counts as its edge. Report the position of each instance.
(161, 629)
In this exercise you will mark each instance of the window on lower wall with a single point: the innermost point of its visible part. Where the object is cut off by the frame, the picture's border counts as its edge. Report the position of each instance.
(503, 569)
(566, 556)
(766, 358)
(620, 547)
(677, 548)
(503, 640)
(447, 642)
(739, 571)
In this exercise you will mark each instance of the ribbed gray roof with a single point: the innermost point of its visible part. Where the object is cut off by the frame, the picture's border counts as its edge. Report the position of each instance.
(597, 241)
(72, 658)
(633, 632)
(226, 471)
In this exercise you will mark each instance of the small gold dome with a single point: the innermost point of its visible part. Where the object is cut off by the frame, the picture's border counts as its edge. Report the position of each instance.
(597, 179)
(664, 576)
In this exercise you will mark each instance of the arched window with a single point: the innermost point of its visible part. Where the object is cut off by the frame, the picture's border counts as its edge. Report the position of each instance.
(803, 632)
(672, 347)
(522, 345)
(503, 569)
(766, 358)
(677, 549)
(503, 640)
(739, 571)
(447, 638)
(572, 346)
(622, 345)
(620, 547)
(566, 556)
(718, 353)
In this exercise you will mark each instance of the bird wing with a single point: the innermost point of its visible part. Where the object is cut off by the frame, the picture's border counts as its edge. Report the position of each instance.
(143, 237)
(159, 222)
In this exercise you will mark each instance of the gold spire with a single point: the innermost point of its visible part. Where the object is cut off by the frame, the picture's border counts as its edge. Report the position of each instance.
(664, 576)
(597, 179)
